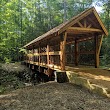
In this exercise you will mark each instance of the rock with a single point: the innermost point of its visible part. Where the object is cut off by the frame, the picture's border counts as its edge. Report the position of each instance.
(61, 76)
(100, 90)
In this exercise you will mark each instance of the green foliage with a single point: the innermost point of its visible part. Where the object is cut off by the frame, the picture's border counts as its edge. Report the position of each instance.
(7, 60)
(22, 50)
(22, 21)
(13, 76)
(2, 89)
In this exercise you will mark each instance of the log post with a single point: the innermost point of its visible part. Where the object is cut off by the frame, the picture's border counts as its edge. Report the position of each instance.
(33, 54)
(100, 44)
(39, 57)
(48, 69)
(62, 49)
(47, 55)
(76, 52)
(96, 51)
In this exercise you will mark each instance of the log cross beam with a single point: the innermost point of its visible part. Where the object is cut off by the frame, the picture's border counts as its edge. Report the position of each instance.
(80, 24)
(85, 24)
(62, 49)
(79, 29)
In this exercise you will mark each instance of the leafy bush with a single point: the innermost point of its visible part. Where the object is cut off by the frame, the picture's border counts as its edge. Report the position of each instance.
(7, 60)
(13, 76)
(2, 89)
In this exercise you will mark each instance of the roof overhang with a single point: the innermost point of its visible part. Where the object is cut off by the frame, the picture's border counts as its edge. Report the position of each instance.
(67, 26)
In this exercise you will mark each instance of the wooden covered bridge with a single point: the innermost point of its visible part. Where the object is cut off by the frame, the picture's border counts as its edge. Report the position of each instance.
(72, 43)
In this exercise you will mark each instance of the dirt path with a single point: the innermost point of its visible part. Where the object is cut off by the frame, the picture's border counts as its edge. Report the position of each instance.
(53, 96)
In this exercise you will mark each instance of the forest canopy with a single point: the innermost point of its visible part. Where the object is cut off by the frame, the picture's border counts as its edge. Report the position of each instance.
(22, 21)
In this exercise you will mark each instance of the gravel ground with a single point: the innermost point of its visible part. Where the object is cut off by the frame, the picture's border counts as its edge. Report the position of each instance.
(53, 96)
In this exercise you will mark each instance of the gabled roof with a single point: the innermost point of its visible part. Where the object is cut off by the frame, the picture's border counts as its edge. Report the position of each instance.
(62, 27)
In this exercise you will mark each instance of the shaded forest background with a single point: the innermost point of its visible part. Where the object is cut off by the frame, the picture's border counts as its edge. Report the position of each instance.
(22, 21)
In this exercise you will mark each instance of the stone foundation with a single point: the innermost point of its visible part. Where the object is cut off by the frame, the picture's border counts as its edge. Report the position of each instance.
(84, 82)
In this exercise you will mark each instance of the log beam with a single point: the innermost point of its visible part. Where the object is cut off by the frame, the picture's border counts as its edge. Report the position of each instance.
(48, 61)
(85, 23)
(100, 44)
(39, 58)
(85, 39)
(62, 49)
(80, 24)
(96, 51)
(75, 21)
(89, 26)
(99, 20)
(78, 29)
(47, 54)
(76, 52)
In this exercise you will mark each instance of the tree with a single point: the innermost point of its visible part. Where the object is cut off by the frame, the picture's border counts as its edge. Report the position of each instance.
(22, 21)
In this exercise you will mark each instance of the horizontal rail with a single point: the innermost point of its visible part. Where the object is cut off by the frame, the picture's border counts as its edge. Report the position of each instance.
(84, 52)
(45, 53)
(51, 66)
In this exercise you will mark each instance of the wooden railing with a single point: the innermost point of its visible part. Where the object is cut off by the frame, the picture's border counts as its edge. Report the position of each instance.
(31, 59)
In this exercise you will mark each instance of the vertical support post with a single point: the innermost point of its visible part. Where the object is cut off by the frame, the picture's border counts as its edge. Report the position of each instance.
(100, 43)
(39, 55)
(33, 54)
(61, 55)
(47, 55)
(39, 58)
(76, 52)
(62, 49)
(96, 51)
(48, 70)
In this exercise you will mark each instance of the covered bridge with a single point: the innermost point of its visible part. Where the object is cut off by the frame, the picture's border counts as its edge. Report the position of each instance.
(72, 43)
